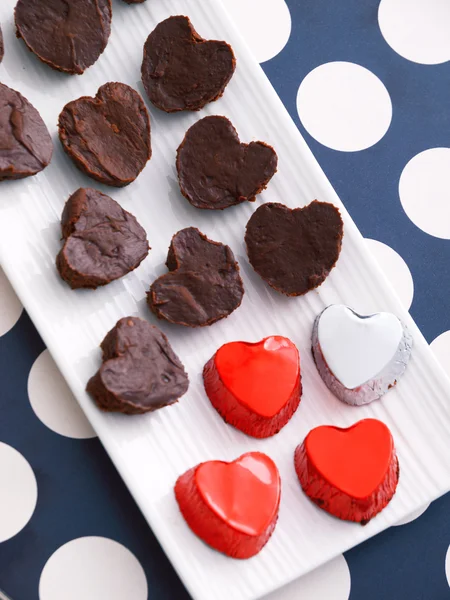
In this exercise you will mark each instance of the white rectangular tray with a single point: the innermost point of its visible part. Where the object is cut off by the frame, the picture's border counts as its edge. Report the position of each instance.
(151, 451)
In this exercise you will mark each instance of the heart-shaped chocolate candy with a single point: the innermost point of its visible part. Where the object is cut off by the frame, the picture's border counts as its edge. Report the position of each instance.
(351, 473)
(102, 242)
(294, 250)
(360, 358)
(25, 143)
(255, 387)
(203, 285)
(233, 506)
(107, 137)
(181, 70)
(216, 171)
(67, 35)
(140, 371)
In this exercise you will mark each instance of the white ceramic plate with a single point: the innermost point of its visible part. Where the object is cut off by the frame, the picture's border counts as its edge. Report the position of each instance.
(151, 451)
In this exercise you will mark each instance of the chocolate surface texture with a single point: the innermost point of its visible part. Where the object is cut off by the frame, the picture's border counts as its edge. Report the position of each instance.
(140, 371)
(216, 171)
(203, 285)
(67, 35)
(25, 143)
(102, 242)
(107, 137)
(294, 250)
(181, 70)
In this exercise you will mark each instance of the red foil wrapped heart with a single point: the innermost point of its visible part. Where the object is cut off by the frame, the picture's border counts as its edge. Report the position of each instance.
(351, 473)
(255, 387)
(233, 506)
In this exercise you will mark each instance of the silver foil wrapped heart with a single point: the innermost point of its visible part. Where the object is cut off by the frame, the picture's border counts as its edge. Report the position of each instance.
(360, 358)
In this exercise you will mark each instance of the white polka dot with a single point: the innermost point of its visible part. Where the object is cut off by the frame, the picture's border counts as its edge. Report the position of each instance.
(328, 582)
(424, 190)
(447, 565)
(264, 24)
(10, 306)
(53, 402)
(395, 269)
(93, 568)
(417, 29)
(18, 495)
(344, 106)
(441, 349)
(413, 516)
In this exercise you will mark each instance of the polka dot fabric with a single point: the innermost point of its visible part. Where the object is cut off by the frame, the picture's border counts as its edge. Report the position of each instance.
(53, 402)
(344, 106)
(92, 568)
(366, 82)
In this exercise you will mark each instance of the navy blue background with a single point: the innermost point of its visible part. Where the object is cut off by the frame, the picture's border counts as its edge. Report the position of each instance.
(80, 493)
(367, 181)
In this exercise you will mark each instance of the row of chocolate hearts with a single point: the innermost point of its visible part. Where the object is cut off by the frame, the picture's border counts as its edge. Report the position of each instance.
(108, 138)
(350, 473)
(103, 242)
(180, 69)
(256, 387)
(215, 170)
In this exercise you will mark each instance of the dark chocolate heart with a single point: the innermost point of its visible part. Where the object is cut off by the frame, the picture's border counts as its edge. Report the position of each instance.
(181, 70)
(102, 241)
(107, 137)
(294, 250)
(67, 35)
(25, 143)
(140, 371)
(203, 285)
(216, 171)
